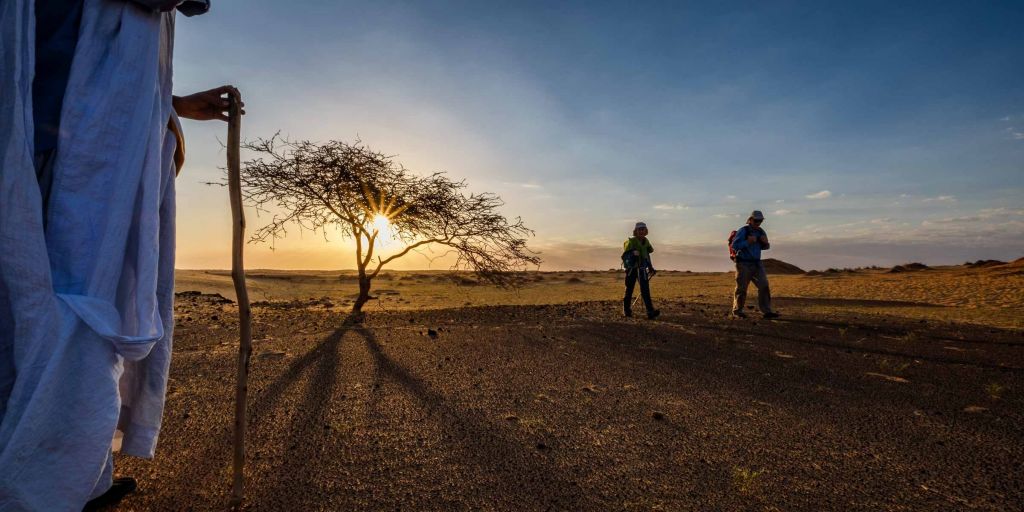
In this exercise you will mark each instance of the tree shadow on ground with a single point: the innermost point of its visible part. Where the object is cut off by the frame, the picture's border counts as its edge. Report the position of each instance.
(323, 357)
(503, 456)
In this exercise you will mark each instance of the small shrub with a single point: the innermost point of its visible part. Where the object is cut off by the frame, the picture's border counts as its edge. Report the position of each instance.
(995, 390)
(745, 479)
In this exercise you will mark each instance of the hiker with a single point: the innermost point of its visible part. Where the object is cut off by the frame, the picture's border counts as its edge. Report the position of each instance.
(636, 258)
(746, 244)
(89, 148)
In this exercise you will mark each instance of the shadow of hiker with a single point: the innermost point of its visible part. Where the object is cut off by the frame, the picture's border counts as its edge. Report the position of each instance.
(511, 459)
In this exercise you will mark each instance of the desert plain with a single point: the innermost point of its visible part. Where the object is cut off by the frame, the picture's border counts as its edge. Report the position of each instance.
(876, 390)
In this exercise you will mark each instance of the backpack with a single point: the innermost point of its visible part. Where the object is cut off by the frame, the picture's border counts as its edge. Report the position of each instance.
(732, 237)
(628, 260)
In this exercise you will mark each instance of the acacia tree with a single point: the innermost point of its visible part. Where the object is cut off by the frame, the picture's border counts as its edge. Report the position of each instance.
(318, 186)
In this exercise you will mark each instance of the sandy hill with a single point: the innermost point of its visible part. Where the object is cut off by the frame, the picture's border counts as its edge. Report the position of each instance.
(984, 264)
(908, 267)
(1014, 267)
(774, 266)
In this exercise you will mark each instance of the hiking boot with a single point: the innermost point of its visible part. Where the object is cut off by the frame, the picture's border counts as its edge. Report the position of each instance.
(653, 314)
(627, 313)
(121, 487)
(771, 314)
(738, 313)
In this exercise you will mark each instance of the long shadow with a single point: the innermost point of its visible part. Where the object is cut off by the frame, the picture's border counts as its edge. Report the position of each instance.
(882, 329)
(324, 356)
(865, 350)
(1011, 335)
(505, 455)
(832, 301)
(307, 428)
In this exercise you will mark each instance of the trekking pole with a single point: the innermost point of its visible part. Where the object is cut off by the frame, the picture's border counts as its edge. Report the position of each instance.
(238, 277)
(641, 293)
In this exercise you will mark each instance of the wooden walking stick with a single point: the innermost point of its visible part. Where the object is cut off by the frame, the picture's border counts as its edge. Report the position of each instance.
(238, 276)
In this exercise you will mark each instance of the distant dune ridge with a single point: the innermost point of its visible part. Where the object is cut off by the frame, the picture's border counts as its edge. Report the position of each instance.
(774, 266)
(1014, 267)
(909, 267)
(984, 264)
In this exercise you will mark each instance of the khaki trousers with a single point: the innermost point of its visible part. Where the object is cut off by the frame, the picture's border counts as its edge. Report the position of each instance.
(745, 273)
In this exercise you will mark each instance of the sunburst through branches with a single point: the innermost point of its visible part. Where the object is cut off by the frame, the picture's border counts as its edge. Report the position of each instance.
(381, 210)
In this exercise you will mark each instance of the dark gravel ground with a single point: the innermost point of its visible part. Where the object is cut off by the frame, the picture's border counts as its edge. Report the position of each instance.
(573, 407)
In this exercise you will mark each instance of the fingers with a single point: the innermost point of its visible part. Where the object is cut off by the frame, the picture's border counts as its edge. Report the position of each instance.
(230, 90)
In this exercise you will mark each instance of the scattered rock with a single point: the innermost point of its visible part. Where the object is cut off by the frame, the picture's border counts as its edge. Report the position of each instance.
(270, 354)
(890, 378)
(432, 333)
(658, 416)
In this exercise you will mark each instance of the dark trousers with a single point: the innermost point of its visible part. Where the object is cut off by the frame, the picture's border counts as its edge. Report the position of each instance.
(632, 276)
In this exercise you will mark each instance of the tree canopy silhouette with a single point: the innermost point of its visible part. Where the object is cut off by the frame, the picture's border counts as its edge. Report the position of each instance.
(318, 186)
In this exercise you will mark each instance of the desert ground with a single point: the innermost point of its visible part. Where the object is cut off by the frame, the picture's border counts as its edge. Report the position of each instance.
(877, 390)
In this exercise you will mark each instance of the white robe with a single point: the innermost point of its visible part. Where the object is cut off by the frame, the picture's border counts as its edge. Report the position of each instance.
(86, 302)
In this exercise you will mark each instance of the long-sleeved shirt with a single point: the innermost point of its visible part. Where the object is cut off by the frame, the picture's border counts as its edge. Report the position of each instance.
(746, 251)
(637, 244)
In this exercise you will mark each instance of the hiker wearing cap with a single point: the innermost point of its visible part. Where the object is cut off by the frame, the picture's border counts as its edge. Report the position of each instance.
(747, 243)
(636, 258)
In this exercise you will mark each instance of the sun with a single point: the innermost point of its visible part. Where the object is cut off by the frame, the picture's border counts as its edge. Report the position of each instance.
(382, 225)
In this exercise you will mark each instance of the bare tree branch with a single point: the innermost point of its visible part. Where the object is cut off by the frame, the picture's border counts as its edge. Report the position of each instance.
(318, 185)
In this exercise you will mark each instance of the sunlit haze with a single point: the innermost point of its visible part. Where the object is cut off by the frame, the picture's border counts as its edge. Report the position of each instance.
(868, 132)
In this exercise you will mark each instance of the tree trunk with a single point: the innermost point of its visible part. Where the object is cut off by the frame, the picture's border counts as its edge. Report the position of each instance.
(364, 294)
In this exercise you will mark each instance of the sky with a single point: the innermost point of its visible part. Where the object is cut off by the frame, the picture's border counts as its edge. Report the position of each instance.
(869, 133)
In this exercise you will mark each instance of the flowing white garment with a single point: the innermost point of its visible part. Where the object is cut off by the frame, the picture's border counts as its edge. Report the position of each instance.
(86, 280)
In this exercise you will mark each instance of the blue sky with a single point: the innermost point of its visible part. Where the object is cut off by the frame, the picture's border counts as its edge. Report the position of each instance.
(867, 133)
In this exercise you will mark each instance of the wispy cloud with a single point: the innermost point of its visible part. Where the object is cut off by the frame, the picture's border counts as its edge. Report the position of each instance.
(940, 199)
(730, 197)
(671, 207)
(824, 194)
(884, 220)
(1002, 211)
(726, 215)
(780, 201)
(783, 212)
(1018, 135)
(1006, 119)
(954, 220)
(528, 184)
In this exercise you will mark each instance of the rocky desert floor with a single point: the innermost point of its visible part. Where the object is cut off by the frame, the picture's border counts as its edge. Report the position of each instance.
(875, 391)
